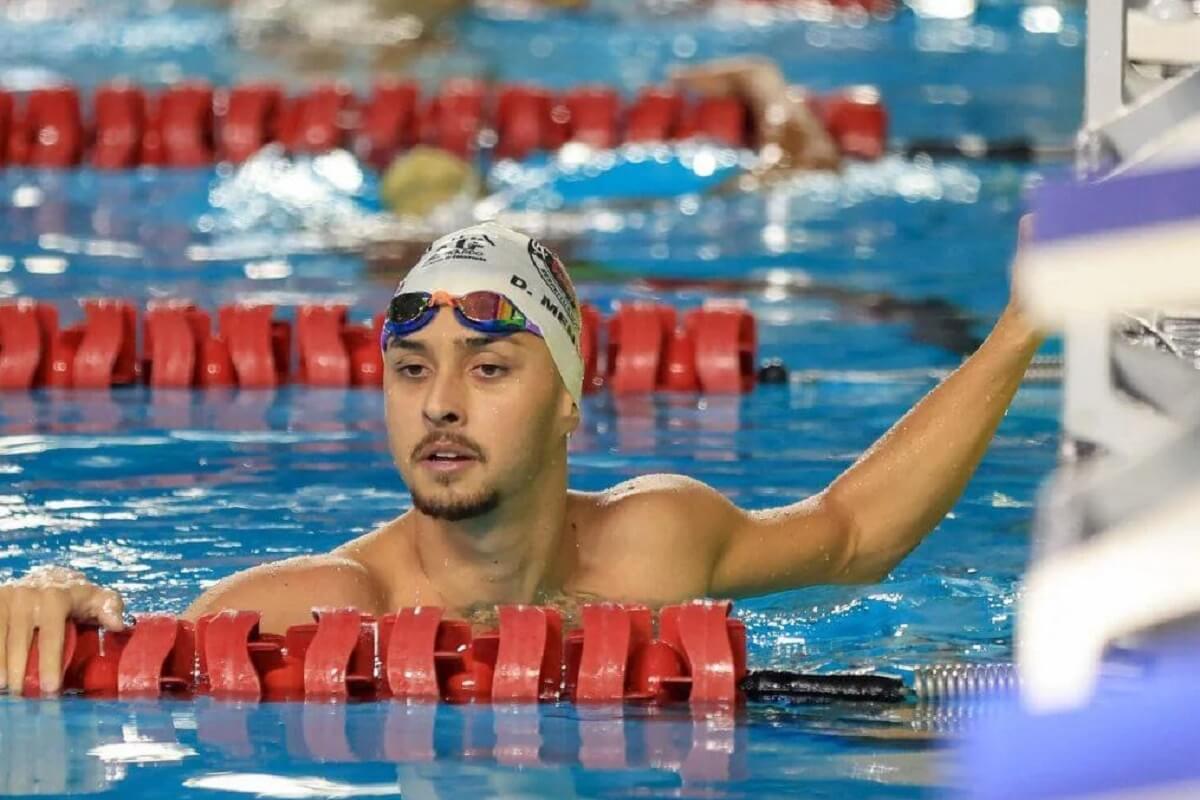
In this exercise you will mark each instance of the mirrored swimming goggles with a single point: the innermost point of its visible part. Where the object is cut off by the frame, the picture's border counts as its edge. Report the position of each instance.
(486, 312)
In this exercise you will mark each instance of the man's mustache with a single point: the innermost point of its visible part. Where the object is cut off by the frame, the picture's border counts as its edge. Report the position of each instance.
(434, 440)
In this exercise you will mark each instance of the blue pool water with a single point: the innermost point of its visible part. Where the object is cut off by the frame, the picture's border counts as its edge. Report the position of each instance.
(161, 494)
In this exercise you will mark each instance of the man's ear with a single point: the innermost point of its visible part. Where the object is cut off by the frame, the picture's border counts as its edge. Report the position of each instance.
(569, 413)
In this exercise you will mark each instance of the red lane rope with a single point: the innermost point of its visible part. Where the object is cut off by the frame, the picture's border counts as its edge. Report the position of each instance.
(193, 124)
(645, 347)
(697, 656)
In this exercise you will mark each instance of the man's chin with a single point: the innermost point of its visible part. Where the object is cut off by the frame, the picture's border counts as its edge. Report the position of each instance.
(454, 506)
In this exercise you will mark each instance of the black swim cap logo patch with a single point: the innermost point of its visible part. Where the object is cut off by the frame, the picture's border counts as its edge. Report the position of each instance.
(553, 273)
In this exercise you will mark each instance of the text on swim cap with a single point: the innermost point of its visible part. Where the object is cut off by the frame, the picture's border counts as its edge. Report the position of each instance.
(548, 304)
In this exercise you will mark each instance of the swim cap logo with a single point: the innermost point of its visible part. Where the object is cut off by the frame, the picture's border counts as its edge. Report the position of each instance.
(553, 273)
(465, 247)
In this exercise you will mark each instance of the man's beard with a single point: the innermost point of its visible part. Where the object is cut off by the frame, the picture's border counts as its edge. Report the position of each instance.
(457, 509)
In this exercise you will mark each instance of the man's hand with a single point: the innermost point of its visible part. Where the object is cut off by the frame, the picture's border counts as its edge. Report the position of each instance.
(44, 600)
(790, 135)
(1014, 322)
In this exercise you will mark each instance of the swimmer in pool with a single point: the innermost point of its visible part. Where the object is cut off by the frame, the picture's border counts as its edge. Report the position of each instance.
(483, 378)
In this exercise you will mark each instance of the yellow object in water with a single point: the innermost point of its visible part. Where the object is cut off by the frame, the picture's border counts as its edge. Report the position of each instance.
(424, 178)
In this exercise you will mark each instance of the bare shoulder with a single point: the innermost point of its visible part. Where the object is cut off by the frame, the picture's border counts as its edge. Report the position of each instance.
(668, 508)
(285, 592)
(663, 489)
(635, 529)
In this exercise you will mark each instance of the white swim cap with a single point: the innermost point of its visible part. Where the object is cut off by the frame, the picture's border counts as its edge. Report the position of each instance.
(490, 257)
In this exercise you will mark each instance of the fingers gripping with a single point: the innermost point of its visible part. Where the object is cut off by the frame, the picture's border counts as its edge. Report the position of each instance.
(51, 624)
(43, 602)
(103, 605)
(26, 610)
(20, 635)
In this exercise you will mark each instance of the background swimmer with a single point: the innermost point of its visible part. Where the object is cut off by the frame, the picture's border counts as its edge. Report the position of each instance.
(481, 397)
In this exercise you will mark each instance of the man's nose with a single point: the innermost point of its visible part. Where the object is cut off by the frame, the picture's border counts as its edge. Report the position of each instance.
(444, 401)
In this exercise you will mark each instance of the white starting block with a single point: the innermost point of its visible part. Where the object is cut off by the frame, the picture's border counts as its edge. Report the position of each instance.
(1118, 534)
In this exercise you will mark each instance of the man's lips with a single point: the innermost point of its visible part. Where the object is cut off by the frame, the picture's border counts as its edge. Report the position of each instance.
(446, 456)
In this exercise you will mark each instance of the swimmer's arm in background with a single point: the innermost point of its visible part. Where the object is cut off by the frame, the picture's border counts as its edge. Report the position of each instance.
(878, 510)
(791, 136)
(285, 592)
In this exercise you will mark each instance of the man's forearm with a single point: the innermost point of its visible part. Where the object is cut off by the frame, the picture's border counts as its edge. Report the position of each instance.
(907, 481)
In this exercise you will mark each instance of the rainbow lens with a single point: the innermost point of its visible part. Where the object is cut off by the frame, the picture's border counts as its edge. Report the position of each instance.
(491, 309)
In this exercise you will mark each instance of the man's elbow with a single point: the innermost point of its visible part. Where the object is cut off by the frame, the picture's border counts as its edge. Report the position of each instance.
(857, 564)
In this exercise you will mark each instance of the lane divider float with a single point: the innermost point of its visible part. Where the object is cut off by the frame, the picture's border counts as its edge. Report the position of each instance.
(642, 348)
(697, 656)
(193, 124)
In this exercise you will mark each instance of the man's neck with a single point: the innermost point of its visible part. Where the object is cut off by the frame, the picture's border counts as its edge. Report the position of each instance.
(506, 556)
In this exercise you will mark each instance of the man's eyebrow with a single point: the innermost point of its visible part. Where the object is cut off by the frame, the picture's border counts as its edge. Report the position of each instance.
(466, 342)
(476, 342)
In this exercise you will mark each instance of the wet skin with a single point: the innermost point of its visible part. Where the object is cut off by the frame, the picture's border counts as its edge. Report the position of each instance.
(478, 428)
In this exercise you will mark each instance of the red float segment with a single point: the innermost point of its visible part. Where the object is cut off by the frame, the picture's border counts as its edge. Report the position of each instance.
(333, 353)
(654, 116)
(339, 661)
(407, 641)
(216, 364)
(17, 149)
(636, 338)
(106, 354)
(679, 372)
(429, 658)
(324, 360)
(32, 684)
(469, 668)
(857, 121)
(52, 129)
(173, 337)
(184, 122)
(701, 633)
(594, 116)
(26, 329)
(878, 8)
(249, 120)
(159, 655)
(97, 353)
(153, 153)
(226, 667)
(529, 660)
(558, 124)
(6, 123)
(315, 122)
(59, 367)
(87, 652)
(656, 673)
(611, 635)
(724, 120)
(726, 340)
(453, 118)
(389, 122)
(366, 359)
(523, 116)
(259, 346)
(120, 117)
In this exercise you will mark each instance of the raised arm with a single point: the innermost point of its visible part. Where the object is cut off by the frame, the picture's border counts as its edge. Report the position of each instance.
(880, 508)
